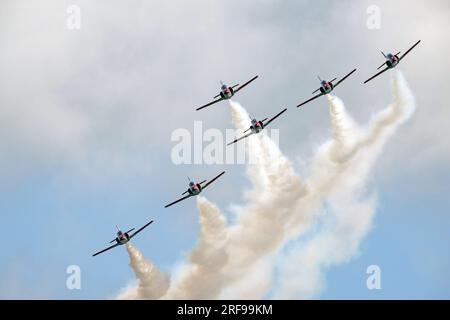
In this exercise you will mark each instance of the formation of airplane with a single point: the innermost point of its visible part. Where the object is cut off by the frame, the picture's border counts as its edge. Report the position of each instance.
(257, 126)
(123, 237)
(227, 92)
(392, 60)
(195, 189)
(326, 87)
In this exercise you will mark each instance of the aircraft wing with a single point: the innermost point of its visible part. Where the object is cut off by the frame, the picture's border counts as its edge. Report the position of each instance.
(170, 204)
(113, 246)
(309, 100)
(403, 55)
(239, 139)
(211, 181)
(140, 229)
(240, 87)
(209, 104)
(276, 116)
(376, 74)
(348, 75)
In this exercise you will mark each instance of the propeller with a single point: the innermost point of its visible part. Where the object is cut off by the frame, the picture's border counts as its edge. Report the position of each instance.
(221, 85)
(118, 230)
(189, 179)
(318, 77)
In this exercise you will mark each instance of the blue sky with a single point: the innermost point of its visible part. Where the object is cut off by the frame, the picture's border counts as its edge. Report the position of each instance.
(86, 118)
(409, 243)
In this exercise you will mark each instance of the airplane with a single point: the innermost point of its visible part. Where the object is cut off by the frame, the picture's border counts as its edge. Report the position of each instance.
(123, 237)
(194, 189)
(392, 60)
(326, 87)
(257, 126)
(227, 92)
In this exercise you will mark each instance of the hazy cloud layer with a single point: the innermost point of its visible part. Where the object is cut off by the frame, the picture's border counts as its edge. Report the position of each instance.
(102, 102)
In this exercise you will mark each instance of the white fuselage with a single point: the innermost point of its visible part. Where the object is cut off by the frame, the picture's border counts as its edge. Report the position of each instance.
(226, 92)
(122, 238)
(392, 60)
(194, 189)
(257, 126)
(326, 87)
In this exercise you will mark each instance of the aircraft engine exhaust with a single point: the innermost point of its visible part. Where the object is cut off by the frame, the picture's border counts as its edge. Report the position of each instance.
(152, 283)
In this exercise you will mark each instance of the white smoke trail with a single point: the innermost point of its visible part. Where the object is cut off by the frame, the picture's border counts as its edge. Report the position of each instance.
(344, 128)
(201, 278)
(153, 284)
(260, 224)
(274, 185)
(331, 171)
(302, 270)
(246, 244)
(280, 208)
(288, 208)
